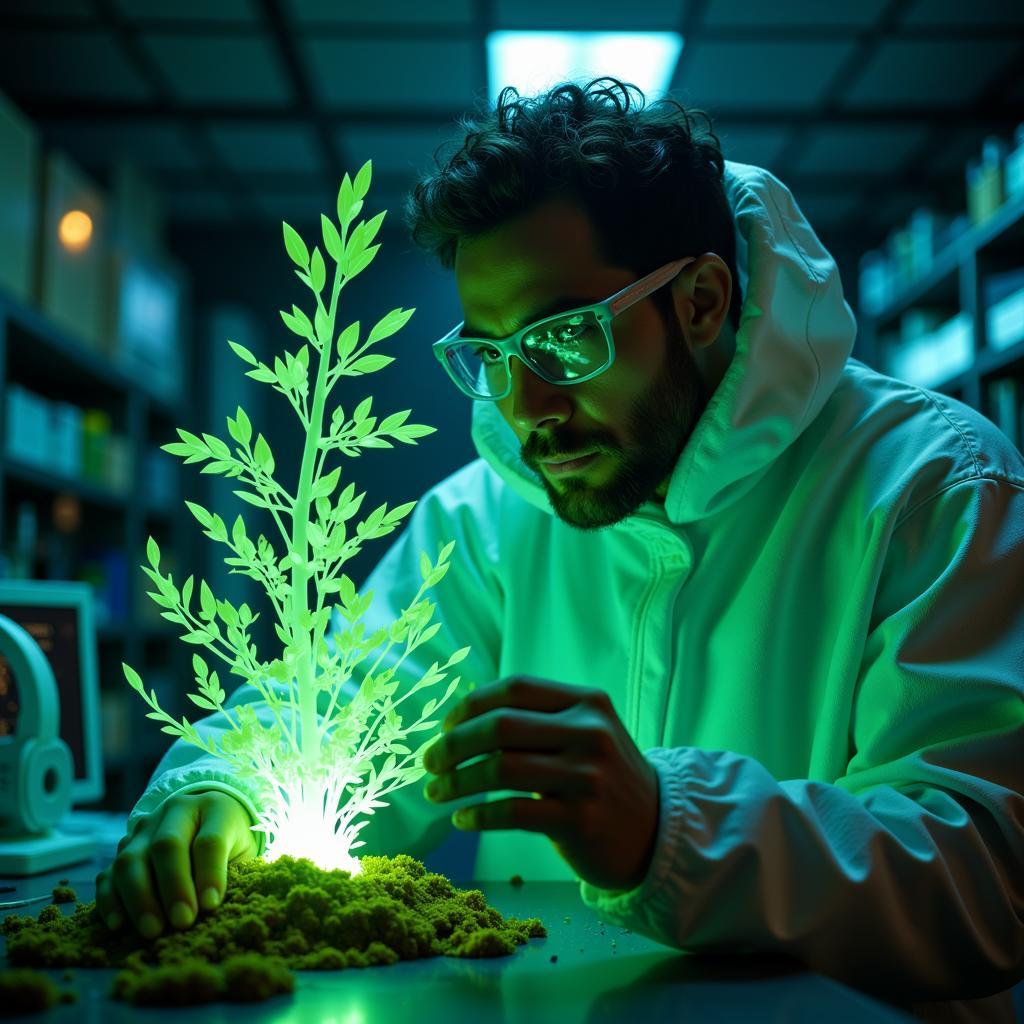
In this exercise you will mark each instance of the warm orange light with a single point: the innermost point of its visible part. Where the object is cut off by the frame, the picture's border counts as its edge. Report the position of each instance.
(75, 230)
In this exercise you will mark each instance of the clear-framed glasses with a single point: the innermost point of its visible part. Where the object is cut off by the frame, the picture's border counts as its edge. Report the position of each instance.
(567, 348)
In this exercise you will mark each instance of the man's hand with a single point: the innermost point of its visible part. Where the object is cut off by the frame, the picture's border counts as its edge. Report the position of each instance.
(181, 849)
(598, 794)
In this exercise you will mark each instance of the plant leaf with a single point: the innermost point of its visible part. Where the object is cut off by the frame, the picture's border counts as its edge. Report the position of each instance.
(317, 271)
(332, 240)
(263, 456)
(250, 498)
(243, 353)
(361, 262)
(326, 484)
(243, 427)
(207, 602)
(347, 340)
(369, 364)
(133, 678)
(390, 324)
(200, 513)
(295, 246)
(362, 182)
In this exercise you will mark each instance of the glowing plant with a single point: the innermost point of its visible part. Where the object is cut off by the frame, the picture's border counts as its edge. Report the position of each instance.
(319, 776)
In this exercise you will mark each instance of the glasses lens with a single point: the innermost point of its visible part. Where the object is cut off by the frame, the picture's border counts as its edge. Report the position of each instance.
(479, 366)
(569, 348)
(562, 350)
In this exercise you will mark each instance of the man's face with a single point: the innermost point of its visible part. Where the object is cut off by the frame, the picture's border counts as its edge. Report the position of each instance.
(637, 415)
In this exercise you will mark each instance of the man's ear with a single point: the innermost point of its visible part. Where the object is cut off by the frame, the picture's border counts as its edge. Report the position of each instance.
(702, 294)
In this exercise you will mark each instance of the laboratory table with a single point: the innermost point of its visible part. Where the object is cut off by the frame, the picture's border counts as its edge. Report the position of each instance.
(585, 971)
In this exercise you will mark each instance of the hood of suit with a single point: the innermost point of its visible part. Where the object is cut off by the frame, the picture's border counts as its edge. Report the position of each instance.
(796, 332)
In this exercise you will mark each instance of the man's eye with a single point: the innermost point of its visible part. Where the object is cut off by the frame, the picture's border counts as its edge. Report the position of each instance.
(570, 332)
(488, 354)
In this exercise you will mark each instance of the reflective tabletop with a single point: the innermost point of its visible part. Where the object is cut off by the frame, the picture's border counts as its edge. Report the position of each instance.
(584, 972)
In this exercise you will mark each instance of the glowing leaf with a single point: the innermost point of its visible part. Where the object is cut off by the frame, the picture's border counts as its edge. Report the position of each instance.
(295, 246)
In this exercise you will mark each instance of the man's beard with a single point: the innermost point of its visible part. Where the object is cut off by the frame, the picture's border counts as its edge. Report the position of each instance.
(660, 424)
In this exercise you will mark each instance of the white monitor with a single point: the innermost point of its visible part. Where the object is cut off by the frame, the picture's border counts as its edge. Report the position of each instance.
(58, 615)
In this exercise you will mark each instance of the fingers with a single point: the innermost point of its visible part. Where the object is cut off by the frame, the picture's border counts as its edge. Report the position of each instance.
(547, 815)
(515, 692)
(223, 836)
(135, 885)
(531, 773)
(174, 863)
(108, 904)
(500, 729)
(171, 865)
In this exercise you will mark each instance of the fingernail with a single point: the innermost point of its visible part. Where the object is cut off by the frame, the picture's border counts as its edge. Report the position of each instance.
(113, 921)
(149, 926)
(209, 899)
(181, 915)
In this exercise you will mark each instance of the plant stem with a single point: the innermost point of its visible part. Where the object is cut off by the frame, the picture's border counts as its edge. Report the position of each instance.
(310, 738)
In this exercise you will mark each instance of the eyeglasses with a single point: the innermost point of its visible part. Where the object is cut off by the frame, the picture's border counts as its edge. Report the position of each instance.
(567, 348)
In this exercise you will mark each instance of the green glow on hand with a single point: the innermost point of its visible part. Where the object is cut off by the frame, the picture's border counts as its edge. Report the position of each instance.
(320, 778)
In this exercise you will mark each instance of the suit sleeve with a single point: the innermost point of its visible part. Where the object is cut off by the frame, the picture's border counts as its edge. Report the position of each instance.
(468, 606)
(906, 874)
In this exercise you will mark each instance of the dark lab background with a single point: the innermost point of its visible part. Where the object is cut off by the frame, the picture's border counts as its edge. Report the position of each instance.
(191, 130)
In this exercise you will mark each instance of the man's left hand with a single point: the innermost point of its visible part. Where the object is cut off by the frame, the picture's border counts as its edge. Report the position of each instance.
(598, 795)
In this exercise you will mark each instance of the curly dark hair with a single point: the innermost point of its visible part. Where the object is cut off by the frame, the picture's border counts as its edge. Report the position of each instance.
(650, 178)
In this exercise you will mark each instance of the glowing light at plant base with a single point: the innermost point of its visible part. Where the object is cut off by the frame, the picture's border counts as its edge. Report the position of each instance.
(535, 61)
(318, 771)
(305, 826)
(75, 230)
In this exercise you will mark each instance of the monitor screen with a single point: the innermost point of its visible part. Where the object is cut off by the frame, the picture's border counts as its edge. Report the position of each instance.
(58, 616)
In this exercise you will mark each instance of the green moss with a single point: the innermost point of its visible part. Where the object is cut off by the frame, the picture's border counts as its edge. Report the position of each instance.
(26, 991)
(64, 894)
(288, 915)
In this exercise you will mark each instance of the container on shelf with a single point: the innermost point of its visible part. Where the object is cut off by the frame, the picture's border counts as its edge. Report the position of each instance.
(119, 463)
(1004, 308)
(19, 201)
(985, 180)
(95, 442)
(932, 358)
(920, 321)
(27, 426)
(925, 229)
(106, 568)
(65, 440)
(875, 282)
(146, 320)
(159, 478)
(73, 281)
(1004, 399)
(1013, 167)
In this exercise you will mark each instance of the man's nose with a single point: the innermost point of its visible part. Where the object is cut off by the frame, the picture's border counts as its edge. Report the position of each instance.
(535, 402)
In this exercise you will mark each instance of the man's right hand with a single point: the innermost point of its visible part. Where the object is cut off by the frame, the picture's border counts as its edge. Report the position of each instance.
(175, 861)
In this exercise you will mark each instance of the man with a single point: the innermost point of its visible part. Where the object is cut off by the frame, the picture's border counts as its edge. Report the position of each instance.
(750, 661)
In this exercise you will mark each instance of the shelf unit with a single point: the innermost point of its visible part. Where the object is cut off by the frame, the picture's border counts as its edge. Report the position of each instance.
(46, 359)
(956, 283)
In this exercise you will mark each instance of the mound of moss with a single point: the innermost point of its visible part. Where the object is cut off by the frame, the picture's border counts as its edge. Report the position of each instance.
(26, 991)
(289, 914)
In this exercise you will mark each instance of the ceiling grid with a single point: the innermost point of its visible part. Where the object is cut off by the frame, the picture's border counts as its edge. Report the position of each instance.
(256, 108)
